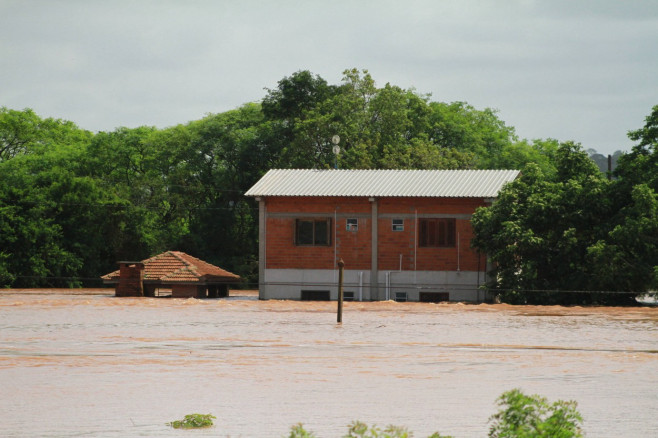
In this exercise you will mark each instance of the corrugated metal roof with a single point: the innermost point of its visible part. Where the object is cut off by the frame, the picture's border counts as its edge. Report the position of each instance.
(383, 183)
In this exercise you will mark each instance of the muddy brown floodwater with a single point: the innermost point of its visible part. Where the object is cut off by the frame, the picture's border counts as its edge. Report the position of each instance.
(89, 364)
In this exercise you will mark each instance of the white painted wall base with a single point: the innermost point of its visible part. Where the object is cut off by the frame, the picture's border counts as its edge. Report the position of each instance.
(287, 284)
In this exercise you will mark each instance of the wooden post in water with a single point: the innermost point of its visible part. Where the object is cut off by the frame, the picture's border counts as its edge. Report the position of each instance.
(341, 265)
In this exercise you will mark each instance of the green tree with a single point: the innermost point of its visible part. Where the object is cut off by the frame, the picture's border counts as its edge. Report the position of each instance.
(126, 165)
(226, 158)
(34, 247)
(18, 130)
(295, 96)
(518, 154)
(45, 227)
(627, 258)
(386, 127)
(539, 231)
(286, 109)
(640, 166)
(24, 131)
(460, 126)
(575, 230)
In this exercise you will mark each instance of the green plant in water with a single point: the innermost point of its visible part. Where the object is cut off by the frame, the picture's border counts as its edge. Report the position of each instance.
(520, 416)
(361, 430)
(193, 421)
(523, 416)
(298, 431)
(358, 429)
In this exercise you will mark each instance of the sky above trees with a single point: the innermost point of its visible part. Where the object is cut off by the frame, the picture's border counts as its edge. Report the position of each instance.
(582, 71)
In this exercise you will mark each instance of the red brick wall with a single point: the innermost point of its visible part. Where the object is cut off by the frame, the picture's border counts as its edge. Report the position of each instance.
(282, 253)
(354, 247)
(317, 205)
(429, 205)
(445, 259)
(184, 291)
(131, 280)
(394, 243)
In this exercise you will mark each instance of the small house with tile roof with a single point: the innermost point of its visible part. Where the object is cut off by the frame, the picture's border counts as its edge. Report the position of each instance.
(403, 234)
(185, 276)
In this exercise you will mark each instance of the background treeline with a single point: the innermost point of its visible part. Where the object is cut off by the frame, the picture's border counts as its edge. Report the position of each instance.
(73, 203)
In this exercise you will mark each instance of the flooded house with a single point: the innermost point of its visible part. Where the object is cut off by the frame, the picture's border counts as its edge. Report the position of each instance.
(403, 234)
(171, 273)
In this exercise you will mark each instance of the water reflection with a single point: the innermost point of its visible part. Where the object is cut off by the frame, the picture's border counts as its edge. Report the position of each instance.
(91, 364)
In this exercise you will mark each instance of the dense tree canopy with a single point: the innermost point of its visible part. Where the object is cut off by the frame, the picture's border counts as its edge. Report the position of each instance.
(382, 128)
(575, 230)
(72, 202)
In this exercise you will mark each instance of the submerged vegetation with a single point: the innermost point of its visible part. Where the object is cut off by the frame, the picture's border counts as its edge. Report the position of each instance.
(193, 421)
(73, 202)
(520, 416)
(523, 416)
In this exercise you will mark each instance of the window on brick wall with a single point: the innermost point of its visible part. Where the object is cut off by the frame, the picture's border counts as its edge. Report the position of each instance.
(313, 232)
(398, 224)
(352, 225)
(434, 232)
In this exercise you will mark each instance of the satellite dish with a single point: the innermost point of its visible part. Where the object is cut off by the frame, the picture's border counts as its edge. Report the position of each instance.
(335, 139)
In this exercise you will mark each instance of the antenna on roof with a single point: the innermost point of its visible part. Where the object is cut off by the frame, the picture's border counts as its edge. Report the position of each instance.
(335, 149)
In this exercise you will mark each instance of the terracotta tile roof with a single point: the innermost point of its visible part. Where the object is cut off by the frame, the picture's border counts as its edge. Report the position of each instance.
(178, 267)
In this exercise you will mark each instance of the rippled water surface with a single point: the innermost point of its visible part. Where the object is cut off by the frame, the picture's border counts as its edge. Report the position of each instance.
(88, 364)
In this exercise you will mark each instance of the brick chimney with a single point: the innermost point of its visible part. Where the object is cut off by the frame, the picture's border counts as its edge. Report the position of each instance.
(131, 280)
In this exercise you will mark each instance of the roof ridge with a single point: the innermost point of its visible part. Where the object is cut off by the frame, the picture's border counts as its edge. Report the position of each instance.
(209, 266)
(177, 255)
(190, 266)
